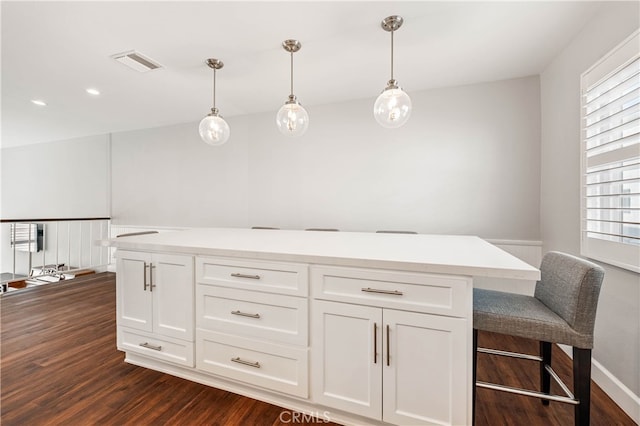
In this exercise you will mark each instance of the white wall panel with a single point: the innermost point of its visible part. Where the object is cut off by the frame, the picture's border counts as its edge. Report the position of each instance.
(467, 162)
(56, 180)
(168, 177)
(65, 179)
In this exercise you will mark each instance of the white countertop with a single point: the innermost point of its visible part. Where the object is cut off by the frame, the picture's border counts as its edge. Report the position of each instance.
(447, 254)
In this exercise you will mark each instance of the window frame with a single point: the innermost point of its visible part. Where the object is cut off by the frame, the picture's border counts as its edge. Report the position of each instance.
(619, 254)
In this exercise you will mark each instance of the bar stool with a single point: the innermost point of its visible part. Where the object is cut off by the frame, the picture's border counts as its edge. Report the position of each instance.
(562, 310)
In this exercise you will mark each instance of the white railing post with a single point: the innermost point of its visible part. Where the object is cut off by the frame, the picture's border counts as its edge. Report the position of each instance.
(57, 245)
(96, 258)
(44, 245)
(69, 245)
(80, 246)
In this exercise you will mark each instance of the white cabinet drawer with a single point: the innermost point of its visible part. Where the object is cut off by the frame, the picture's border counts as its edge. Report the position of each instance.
(279, 368)
(265, 316)
(270, 277)
(149, 344)
(430, 293)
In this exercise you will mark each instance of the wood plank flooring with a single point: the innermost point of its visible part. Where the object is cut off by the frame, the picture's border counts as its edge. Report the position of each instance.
(59, 366)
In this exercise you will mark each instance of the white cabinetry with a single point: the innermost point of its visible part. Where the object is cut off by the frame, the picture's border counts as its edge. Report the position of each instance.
(252, 322)
(373, 359)
(347, 357)
(155, 305)
(357, 327)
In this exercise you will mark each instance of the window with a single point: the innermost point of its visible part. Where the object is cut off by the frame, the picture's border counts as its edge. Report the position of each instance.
(610, 121)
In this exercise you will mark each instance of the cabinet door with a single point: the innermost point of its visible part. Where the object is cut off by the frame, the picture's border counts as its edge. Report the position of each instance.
(347, 343)
(425, 381)
(172, 288)
(132, 283)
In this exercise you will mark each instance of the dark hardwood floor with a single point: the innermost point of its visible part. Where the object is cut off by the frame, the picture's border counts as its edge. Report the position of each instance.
(59, 366)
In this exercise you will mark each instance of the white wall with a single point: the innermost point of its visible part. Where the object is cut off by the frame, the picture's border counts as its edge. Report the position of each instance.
(466, 163)
(56, 180)
(168, 177)
(65, 179)
(617, 334)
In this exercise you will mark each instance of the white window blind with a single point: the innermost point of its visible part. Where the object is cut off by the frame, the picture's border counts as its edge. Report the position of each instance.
(610, 150)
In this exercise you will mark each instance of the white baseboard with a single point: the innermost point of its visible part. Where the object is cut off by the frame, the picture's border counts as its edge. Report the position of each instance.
(617, 391)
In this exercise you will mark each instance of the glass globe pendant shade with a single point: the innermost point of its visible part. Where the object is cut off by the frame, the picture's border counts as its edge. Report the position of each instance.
(392, 108)
(292, 119)
(214, 130)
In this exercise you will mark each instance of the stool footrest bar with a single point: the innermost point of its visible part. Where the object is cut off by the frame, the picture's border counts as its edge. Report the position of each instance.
(525, 392)
(547, 367)
(510, 354)
(555, 377)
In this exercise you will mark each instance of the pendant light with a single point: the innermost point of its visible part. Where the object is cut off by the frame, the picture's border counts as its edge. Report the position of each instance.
(393, 107)
(292, 119)
(213, 129)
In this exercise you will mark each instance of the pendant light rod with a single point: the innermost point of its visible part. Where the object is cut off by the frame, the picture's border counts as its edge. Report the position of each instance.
(215, 64)
(392, 54)
(391, 24)
(214, 87)
(291, 46)
(291, 74)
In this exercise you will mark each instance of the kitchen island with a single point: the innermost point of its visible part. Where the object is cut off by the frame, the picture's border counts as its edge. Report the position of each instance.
(354, 327)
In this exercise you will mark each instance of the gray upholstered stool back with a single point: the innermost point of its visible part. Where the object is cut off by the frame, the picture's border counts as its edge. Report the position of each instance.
(570, 286)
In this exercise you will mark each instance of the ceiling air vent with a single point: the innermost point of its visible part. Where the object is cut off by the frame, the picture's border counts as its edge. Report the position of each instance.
(136, 61)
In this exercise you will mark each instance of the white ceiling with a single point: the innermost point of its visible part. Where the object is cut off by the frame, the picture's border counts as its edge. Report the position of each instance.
(55, 50)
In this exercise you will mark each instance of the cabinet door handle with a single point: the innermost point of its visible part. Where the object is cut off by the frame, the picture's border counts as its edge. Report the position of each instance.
(150, 346)
(244, 314)
(144, 279)
(151, 284)
(374, 290)
(249, 363)
(388, 346)
(253, 277)
(375, 343)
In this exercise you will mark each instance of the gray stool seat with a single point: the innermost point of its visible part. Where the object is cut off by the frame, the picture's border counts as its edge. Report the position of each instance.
(523, 316)
(562, 310)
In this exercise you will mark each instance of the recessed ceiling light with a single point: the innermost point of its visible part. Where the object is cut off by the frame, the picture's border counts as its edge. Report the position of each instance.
(94, 92)
(38, 102)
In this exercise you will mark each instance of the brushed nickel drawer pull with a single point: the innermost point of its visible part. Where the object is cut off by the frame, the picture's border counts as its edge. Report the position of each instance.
(150, 346)
(388, 347)
(244, 314)
(151, 284)
(374, 290)
(249, 363)
(144, 279)
(375, 343)
(253, 277)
